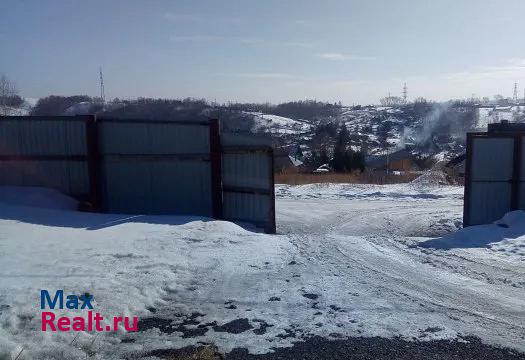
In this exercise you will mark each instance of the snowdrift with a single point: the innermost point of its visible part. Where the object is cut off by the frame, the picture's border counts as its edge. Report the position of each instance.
(37, 197)
(506, 235)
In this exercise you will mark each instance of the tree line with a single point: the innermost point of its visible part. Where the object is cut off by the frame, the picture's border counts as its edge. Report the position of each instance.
(343, 158)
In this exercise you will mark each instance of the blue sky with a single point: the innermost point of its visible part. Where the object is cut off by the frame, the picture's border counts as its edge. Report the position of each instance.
(264, 50)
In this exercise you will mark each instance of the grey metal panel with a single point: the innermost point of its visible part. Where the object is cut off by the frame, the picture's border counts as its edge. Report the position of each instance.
(492, 159)
(247, 207)
(42, 137)
(251, 170)
(159, 187)
(522, 163)
(489, 201)
(127, 187)
(181, 188)
(155, 138)
(69, 177)
(236, 139)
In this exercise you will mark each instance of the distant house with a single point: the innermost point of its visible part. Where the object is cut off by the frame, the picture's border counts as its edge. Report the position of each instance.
(401, 160)
(288, 159)
(323, 169)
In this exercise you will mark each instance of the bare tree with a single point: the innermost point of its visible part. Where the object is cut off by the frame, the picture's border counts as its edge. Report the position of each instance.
(8, 92)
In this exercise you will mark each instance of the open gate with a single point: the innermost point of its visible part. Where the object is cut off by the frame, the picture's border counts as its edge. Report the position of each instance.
(247, 181)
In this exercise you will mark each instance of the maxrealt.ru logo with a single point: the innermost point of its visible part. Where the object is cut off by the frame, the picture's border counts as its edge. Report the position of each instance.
(92, 322)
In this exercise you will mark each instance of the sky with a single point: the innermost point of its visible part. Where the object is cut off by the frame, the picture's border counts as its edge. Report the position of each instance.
(354, 51)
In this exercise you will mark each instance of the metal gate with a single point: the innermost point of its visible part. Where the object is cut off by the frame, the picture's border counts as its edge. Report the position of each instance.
(155, 167)
(247, 181)
(143, 166)
(492, 176)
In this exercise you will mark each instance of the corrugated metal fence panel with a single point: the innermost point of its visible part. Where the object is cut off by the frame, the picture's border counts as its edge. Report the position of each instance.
(246, 169)
(489, 201)
(69, 177)
(153, 138)
(56, 136)
(163, 187)
(492, 159)
(145, 167)
(247, 180)
(492, 162)
(171, 173)
(43, 137)
(238, 139)
(521, 189)
(247, 207)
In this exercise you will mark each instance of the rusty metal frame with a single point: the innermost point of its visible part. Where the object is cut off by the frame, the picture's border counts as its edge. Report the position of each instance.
(272, 227)
(216, 169)
(467, 190)
(94, 164)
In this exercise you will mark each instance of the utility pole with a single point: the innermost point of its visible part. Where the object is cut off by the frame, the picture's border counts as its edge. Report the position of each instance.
(102, 94)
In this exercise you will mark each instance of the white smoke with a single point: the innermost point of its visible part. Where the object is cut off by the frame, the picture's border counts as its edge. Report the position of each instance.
(420, 135)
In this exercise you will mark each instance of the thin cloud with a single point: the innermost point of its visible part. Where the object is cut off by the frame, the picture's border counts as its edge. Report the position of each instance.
(303, 22)
(512, 68)
(343, 57)
(298, 44)
(181, 17)
(199, 38)
(240, 40)
(268, 76)
(206, 37)
(201, 18)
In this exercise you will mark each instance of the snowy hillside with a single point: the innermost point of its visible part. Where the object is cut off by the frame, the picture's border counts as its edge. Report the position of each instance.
(279, 125)
(424, 129)
(14, 111)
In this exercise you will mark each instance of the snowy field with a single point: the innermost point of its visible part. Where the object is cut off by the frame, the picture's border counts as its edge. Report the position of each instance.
(349, 260)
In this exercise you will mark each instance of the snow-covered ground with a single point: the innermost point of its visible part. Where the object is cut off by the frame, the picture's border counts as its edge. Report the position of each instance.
(349, 260)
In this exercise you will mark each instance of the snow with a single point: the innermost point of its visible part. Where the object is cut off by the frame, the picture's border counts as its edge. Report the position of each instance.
(15, 111)
(279, 124)
(430, 178)
(36, 197)
(506, 236)
(367, 252)
(406, 192)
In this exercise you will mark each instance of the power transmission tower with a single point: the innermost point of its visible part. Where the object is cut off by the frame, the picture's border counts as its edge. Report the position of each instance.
(405, 93)
(102, 94)
(515, 92)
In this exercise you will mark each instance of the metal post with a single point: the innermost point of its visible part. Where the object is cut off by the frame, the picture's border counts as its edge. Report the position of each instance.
(271, 227)
(216, 169)
(516, 169)
(467, 188)
(93, 163)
